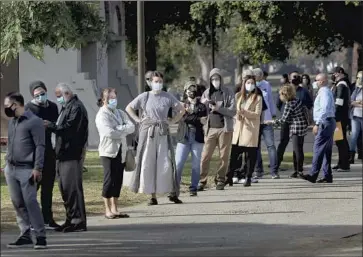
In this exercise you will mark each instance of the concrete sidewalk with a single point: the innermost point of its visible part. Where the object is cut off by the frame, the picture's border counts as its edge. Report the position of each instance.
(286, 217)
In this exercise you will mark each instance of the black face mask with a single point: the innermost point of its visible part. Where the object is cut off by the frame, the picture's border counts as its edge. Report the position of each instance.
(9, 112)
(333, 78)
(192, 95)
(296, 81)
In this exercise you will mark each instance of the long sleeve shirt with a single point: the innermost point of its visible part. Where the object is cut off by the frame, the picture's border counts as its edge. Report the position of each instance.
(324, 106)
(270, 112)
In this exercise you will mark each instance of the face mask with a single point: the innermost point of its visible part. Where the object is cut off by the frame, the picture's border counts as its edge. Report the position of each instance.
(156, 86)
(191, 95)
(250, 87)
(42, 98)
(295, 81)
(112, 104)
(315, 85)
(216, 84)
(10, 112)
(61, 100)
(258, 83)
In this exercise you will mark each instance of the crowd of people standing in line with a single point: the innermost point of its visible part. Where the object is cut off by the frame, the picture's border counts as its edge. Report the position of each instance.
(44, 144)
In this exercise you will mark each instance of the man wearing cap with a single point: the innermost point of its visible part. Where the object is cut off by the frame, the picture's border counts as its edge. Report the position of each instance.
(341, 91)
(46, 110)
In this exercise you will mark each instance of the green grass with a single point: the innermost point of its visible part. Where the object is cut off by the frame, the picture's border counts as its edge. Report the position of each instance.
(92, 184)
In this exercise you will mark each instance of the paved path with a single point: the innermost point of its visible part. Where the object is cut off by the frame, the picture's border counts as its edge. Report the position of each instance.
(286, 217)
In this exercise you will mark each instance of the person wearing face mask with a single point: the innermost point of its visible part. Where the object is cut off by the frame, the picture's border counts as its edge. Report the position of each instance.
(190, 135)
(356, 114)
(71, 131)
(246, 131)
(266, 130)
(341, 91)
(294, 116)
(324, 117)
(46, 110)
(113, 126)
(220, 103)
(306, 83)
(155, 171)
(23, 170)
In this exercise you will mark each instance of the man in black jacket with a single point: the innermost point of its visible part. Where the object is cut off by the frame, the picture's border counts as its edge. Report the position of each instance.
(341, 91)
(46, 110)
(71, 130)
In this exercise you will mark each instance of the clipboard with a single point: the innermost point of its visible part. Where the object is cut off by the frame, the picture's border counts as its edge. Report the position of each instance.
(338, 133)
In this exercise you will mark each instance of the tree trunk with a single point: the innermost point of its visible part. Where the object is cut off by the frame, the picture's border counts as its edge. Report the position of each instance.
(150, 53)
(204, 65)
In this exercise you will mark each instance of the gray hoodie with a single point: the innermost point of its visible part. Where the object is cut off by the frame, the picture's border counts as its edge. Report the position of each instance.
(228, 109)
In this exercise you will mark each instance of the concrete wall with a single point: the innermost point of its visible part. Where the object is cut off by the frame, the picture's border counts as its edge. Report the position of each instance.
(8, 83)
(60, 67)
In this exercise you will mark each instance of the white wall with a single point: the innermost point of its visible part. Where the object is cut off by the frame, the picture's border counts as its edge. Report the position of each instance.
(55, 68)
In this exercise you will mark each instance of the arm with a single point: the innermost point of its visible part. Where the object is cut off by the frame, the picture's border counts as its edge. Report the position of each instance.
(70, 124)
(179, 115)
(128, 127)
(194, 118)
(287, 112)
(134, 106)
(339, 100)
(205, 99)
(104, 127)
(229, 111)
(255, 115)
(38, 133)
(271, 103)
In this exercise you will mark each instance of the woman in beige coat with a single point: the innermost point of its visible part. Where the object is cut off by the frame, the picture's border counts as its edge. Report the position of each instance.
(246, 129)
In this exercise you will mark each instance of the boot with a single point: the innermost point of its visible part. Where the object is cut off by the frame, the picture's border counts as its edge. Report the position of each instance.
(351, 157)
(360, 154)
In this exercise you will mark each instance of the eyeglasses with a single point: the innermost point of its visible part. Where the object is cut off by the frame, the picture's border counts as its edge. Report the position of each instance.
(41, 94)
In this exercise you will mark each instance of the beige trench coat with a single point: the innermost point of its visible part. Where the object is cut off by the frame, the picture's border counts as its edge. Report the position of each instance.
(247, 128)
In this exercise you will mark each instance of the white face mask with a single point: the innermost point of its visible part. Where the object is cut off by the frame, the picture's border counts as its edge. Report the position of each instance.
(155, 86)
(250, 87)
(216, 84)
(315, 85)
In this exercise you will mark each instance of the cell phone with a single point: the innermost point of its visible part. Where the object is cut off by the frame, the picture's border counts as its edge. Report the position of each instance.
(31, 180)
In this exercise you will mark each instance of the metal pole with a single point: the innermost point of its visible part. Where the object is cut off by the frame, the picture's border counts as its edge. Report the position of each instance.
(140, 46)
(212, 39)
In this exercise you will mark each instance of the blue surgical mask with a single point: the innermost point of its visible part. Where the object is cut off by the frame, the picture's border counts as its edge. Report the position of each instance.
(112, 104)
(258, 83)
(61, 100)
(156, 86)
(42, 98)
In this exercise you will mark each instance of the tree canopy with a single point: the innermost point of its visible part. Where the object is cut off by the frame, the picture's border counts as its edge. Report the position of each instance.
(32, 25)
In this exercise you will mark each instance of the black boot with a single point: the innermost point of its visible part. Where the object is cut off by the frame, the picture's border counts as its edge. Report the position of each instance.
(351, 157)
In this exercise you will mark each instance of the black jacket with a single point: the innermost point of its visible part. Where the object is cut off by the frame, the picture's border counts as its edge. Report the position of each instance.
(341, 93)
(46, 112)
(194, 119)
(71, 131)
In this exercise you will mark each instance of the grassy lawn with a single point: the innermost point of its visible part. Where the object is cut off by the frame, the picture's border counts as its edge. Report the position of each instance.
(92, 184)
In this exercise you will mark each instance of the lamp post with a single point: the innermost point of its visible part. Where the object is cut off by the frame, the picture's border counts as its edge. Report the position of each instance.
(212, 39)
(140, 46)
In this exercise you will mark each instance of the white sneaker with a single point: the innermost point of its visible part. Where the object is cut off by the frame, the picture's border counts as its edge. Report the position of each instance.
(242, 181)
(254, 180)
(235, 180)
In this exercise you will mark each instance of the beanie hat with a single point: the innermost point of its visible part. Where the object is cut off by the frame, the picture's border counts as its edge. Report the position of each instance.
(36, 84)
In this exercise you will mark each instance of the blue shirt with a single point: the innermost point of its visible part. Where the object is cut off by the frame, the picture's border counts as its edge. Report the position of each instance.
(324, 105)
(268, 98)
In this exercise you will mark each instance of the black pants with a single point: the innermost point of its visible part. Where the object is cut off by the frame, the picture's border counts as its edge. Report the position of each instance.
(359, 145)
(236, 163)
(47, 185)
(298, 152)
(284, 141)
(71, 188)
(343, 148)
(113, 170)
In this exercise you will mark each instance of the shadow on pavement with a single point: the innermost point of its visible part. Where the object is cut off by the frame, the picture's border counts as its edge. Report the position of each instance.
(208, 239)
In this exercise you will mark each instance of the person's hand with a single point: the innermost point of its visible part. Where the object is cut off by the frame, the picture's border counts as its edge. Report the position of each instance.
(315, 130)
(46, 123)
(36, 175)
(241, 112)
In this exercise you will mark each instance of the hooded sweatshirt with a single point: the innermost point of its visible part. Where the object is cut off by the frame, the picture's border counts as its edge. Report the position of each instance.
(224, 99)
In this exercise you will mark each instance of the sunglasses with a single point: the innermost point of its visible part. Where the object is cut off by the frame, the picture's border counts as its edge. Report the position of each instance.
(41, 94)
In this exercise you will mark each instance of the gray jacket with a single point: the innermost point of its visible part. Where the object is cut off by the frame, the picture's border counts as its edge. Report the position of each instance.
(228, 108)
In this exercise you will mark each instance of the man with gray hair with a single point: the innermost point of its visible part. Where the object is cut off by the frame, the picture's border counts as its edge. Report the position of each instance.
(71, 130)
(266, 130)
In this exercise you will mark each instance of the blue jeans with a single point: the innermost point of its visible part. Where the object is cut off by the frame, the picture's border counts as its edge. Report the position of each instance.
(323, 148)
(267, 132)
(357, 128)
(181, 156)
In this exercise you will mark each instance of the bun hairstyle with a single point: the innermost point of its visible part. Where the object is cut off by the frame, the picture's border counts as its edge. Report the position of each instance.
(104, 95)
